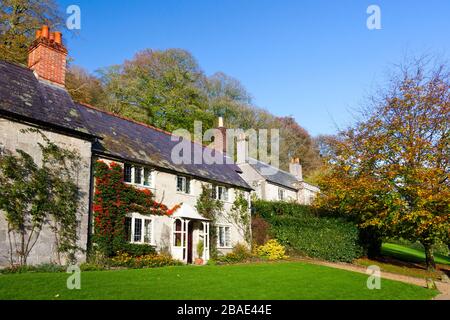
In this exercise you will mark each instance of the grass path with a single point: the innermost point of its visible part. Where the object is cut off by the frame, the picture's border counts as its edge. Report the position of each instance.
(408, 254)
(284, 280)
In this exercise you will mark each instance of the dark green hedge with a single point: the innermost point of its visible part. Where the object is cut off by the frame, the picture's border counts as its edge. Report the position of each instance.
(136, 250)
(306, 232)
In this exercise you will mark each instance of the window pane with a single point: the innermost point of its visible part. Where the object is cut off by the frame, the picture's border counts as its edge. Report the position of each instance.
(180, 183)
(227, 237)
(188, 185)
(177, 233)
(127, 173)
(178, 225)
(280, 194)
(148, 231)
(177, 239)
(137, 230)
(147, 177)
(128, 229)
(138, 175)
(221, 237)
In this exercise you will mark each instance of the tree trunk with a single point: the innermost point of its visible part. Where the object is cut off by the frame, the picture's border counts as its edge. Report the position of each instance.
(371, 241)
(429, 257)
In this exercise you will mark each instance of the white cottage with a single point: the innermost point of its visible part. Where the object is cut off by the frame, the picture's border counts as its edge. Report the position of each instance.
(35, 97)
(271, 183)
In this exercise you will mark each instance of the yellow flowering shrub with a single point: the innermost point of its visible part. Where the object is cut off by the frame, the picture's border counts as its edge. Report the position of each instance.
(122, 258)
(271, 250)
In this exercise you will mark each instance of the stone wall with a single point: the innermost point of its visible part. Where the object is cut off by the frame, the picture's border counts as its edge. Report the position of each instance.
(11, 138)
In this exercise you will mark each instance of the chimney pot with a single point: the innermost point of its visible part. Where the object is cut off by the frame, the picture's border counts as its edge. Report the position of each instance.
(58, 37)
(44, 32)
(47, 56)
(220, 122)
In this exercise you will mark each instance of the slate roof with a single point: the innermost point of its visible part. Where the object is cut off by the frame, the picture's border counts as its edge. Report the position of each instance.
(280, 177)
(128, 139)
(23, 96)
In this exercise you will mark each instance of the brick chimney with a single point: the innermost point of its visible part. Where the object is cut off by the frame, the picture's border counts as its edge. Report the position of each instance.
(220, 140)
(295, 168)
(47, 56)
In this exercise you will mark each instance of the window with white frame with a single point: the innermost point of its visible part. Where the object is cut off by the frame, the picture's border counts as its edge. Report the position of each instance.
(224, 236)
(183, 184)
(281, 194)
(220, 193)
(127, 172)
(148, 177)
(139, 229)
(138, 175)
(177, 233)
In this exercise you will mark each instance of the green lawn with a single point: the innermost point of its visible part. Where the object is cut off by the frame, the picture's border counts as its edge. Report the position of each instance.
(408, 254)
(284, 280)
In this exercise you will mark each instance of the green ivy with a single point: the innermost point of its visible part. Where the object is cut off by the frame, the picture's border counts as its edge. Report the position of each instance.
(209, 207)
(32, 196)
(113, 200)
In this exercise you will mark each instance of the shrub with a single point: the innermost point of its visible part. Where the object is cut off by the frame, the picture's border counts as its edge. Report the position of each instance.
(304, 231)
(92, 267)
(272, 250)
(240, 253)
(200, 248)
(156, 260)
(260, 230)
(137, 250)
(44, 267)
(124, 259)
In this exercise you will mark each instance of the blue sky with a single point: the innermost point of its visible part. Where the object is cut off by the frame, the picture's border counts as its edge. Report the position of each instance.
(315, 60)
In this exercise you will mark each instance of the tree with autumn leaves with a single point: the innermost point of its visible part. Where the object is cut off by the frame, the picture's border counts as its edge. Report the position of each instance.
(390, 172)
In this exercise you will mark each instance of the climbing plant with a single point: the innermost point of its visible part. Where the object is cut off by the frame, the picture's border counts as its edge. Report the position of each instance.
(240, 216)
(32, 196)
(210, 208)
(113, 200)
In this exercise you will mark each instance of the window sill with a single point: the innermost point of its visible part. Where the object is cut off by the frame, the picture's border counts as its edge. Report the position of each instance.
(140, 185)
(146, 243)
(185, 194)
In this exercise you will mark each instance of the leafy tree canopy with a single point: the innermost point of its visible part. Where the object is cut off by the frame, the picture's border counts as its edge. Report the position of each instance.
(391, 170)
